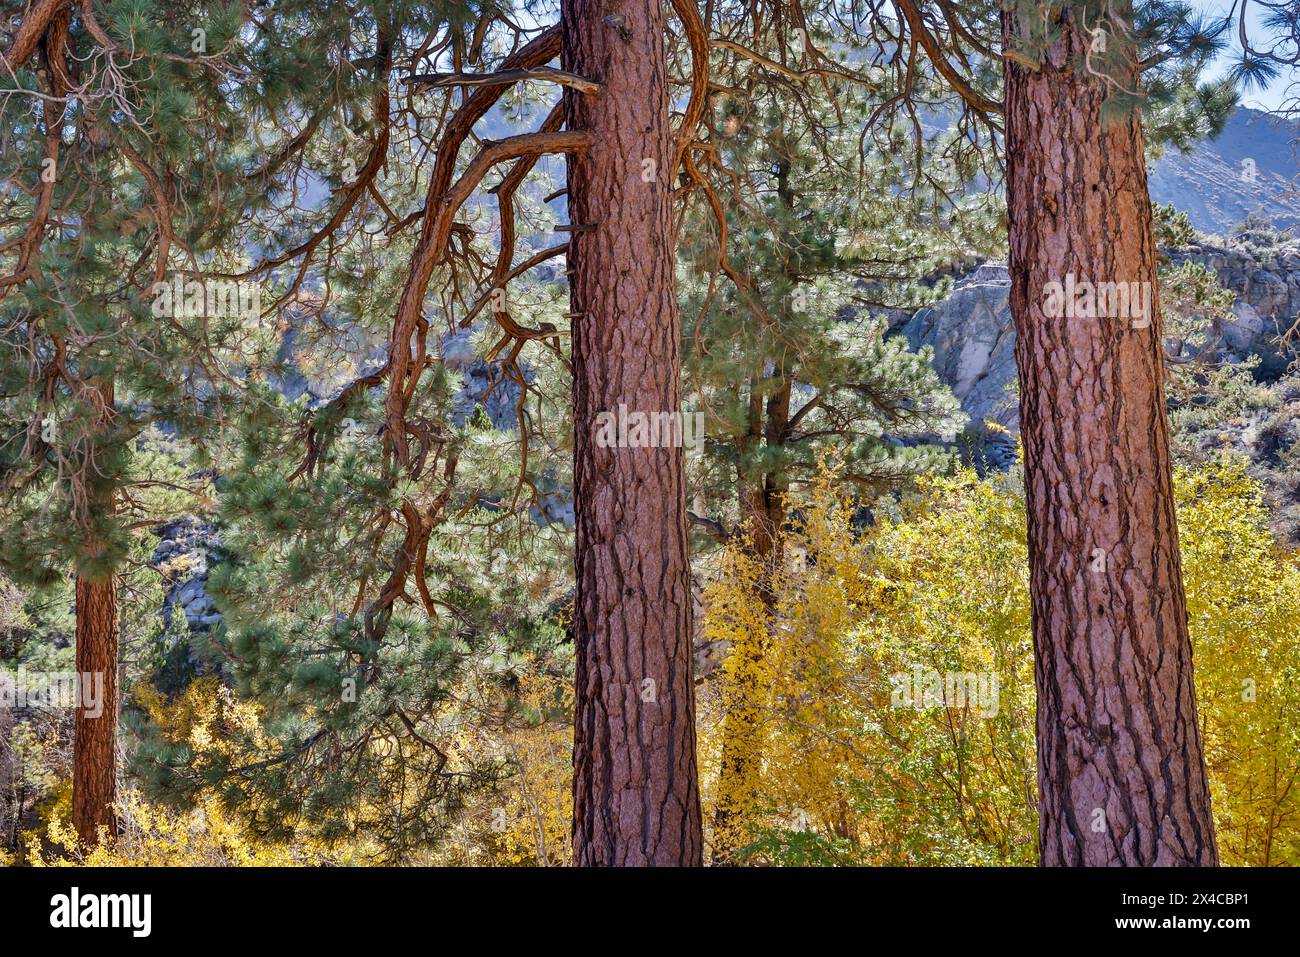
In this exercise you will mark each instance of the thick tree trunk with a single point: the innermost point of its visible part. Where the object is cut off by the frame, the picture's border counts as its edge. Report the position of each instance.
(1121, 774)
(94, 752)
(36, 19)
(94, 773)
(635, 790)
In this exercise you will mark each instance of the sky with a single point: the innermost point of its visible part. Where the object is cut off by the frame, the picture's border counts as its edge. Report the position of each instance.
(1267, 99)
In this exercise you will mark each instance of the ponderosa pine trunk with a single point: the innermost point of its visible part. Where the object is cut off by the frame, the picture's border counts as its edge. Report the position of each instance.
(635, 789)
(94, 755)
(94, 751)
(1120, 768)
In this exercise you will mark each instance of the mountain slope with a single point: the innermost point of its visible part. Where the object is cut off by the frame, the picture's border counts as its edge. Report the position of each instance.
(1252, 167)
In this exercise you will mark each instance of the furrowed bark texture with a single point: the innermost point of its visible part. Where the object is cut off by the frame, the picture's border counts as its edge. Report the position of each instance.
(94, 755)
(636, 796)
(1121, 774)
(36, 18)
(94, 749)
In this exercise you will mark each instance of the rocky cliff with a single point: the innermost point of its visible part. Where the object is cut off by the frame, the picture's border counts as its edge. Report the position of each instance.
(974, 353)
(974, 340)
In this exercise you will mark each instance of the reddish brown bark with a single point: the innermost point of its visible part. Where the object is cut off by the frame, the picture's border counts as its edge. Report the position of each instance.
(1121, 774)
(636, 796)
(94, 750)
(94, 755)
(31, 28)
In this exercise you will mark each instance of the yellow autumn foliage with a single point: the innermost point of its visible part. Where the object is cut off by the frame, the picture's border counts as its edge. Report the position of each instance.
(896, 716)
(878, 699)
(153, 836)
(1243, 601)
(527, 820)
(524, 822)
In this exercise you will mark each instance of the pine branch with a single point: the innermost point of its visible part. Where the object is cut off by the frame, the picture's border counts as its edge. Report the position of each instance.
(504, 78)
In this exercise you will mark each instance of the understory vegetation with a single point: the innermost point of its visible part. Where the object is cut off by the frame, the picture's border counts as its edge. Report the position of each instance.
(938, 585)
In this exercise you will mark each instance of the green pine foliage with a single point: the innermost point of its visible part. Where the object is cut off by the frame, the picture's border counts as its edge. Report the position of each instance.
(826, 241)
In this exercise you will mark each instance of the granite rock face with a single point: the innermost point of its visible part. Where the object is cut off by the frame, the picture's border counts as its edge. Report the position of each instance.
(483, 383)
(973, 337)
(1267, 284)
(186, 546)
(974, 344)
(1251, 169)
